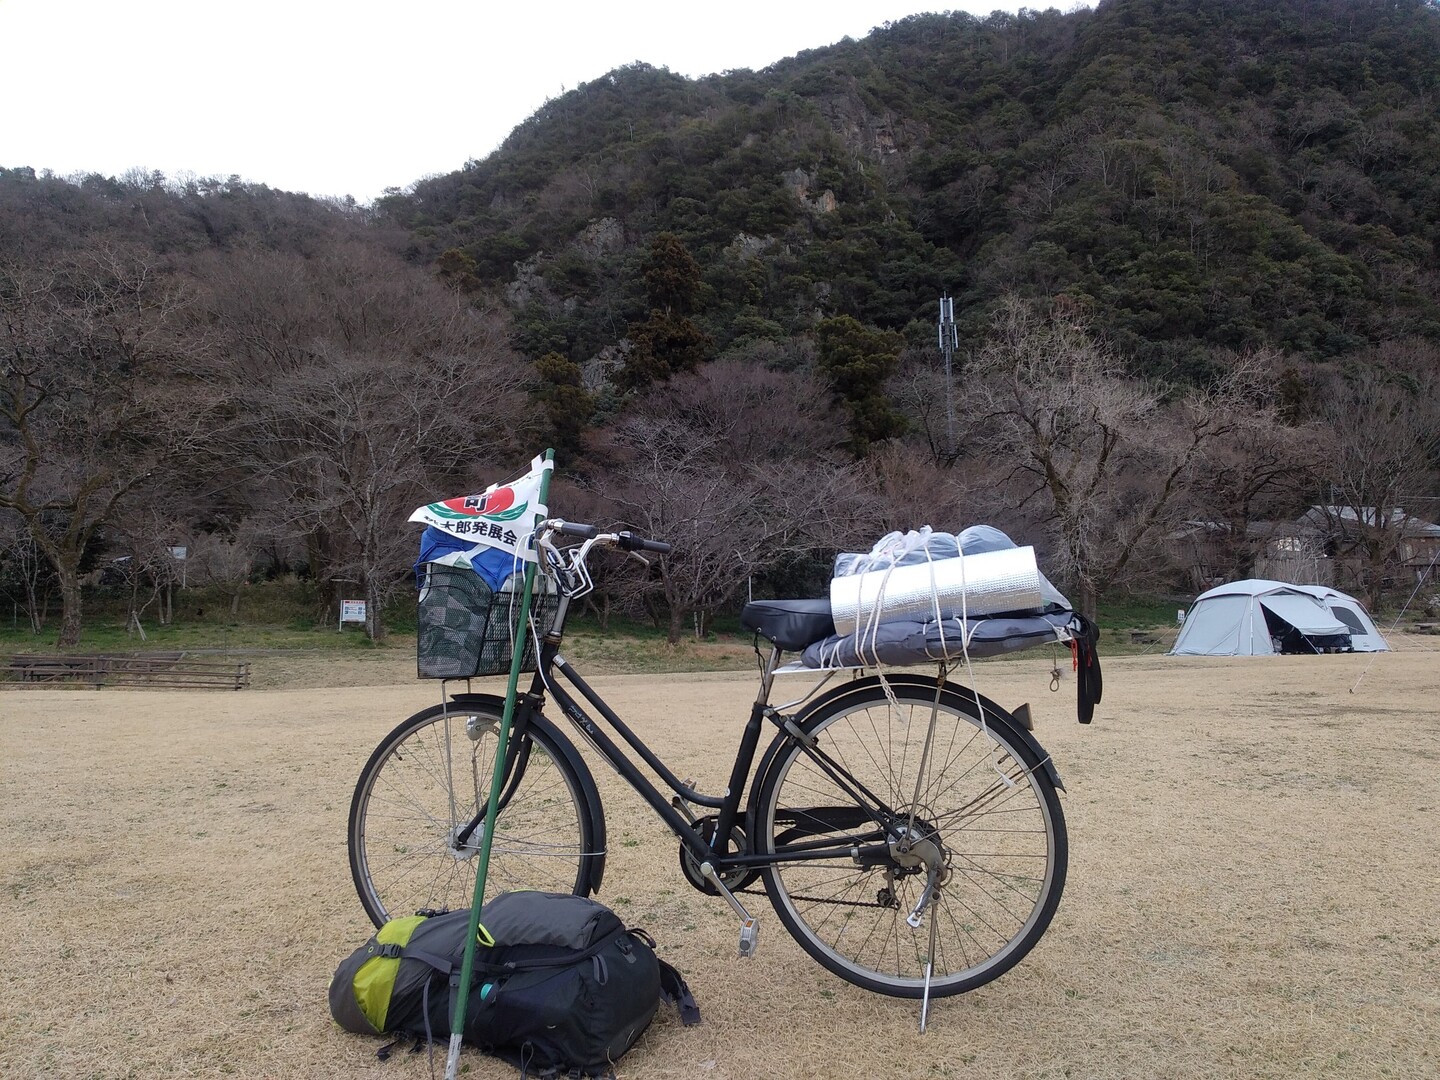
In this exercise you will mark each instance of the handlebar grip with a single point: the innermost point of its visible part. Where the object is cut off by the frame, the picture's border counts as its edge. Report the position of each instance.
(570, 528)
(628, 541)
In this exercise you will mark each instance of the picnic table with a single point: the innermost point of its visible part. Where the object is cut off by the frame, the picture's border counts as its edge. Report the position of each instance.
(156, 670)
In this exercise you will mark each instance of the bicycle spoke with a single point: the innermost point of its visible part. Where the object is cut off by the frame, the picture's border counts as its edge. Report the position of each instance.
(993, 847)
(406, 815)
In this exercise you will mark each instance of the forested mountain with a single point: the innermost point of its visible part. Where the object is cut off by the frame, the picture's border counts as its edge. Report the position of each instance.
(1202, 175)
(1194, 247)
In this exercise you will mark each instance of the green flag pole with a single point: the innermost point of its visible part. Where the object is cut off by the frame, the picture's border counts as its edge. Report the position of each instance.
(467, 966)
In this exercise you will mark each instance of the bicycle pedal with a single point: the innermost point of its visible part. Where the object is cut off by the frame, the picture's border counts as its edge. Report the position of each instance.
(749, 928)
(749, 937)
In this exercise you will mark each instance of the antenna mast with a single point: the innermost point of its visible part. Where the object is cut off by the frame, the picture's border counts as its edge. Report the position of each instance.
(949, 341)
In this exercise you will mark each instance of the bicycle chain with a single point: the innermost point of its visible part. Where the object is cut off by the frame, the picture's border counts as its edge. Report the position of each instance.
(824, 900)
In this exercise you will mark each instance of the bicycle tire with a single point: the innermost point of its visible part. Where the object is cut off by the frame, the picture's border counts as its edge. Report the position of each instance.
(1005, 848)
(432, 774)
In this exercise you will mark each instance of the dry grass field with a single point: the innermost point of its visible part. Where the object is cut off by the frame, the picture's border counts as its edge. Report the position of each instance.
(1254, 876)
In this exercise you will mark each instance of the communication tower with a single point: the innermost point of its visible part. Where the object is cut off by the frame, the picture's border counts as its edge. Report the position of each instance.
(949, 342)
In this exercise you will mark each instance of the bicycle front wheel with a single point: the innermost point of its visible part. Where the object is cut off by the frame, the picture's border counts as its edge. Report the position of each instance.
(412, 845)
(857, 840)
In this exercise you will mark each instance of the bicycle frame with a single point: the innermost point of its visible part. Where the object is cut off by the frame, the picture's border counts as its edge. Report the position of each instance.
(549, 660)
(870, 801)
(716, 852)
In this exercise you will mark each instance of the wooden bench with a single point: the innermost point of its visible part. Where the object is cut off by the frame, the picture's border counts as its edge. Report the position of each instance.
(154, 670)
(1144, 637)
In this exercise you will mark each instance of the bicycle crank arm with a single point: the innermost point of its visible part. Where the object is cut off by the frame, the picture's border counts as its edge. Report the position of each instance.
(749, 928)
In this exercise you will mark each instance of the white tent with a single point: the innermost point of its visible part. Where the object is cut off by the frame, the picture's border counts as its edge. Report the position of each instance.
(1364, 635)
(1256, 617)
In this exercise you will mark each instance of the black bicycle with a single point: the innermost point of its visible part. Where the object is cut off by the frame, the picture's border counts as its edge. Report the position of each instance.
(907, 830)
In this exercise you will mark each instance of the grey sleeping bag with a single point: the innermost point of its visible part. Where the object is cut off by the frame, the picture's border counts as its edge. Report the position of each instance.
(905, 642)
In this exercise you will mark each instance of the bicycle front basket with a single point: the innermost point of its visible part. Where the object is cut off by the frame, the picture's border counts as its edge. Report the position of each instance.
(465, 628)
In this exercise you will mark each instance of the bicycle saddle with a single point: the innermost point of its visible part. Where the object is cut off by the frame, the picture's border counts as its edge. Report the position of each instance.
(790, 624)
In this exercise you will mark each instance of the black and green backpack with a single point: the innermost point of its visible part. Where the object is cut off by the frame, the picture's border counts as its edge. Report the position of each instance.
(558, 983)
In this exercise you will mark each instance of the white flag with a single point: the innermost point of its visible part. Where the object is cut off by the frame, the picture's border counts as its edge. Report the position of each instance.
(502, 516)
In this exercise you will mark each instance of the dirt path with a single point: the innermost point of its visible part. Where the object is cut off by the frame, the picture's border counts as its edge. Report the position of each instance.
(1253, 878)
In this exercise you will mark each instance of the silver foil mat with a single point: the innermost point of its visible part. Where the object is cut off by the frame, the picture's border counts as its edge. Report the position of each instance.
(982, 584)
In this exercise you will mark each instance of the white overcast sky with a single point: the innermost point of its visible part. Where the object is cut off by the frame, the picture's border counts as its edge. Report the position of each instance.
(339, 97)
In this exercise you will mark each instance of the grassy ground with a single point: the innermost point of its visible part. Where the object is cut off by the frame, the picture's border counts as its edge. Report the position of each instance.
(1129, 627)
(269, 622)
(1250, 894)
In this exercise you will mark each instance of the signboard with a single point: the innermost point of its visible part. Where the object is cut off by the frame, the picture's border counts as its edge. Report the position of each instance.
(352, 611)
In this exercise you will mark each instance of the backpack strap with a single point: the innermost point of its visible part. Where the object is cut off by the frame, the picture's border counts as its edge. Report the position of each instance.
(442, 964)
(674, 990)
(445, 966)
(1089, 685)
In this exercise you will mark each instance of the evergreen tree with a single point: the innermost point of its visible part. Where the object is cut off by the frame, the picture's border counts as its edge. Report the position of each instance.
(567, 404)
(667, 342)
(857, 362)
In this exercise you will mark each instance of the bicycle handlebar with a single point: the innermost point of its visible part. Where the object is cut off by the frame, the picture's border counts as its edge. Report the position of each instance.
(625, 541)
(570, 528)
(628, 541)
(568, 565)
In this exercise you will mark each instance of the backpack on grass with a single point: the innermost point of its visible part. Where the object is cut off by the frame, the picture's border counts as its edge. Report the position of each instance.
(558, 983)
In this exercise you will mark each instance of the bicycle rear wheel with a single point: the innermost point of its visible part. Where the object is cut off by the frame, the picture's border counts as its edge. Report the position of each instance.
(987, 822)
(430, 778)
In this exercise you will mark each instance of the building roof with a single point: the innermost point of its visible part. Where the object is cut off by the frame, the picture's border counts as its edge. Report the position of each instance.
(1342, 516)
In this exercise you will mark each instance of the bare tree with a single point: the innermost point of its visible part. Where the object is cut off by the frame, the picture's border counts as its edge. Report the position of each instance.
(903, 489)
(1262, 472)
(737, 468)
(1101, 459)
(926, 402)
(147, 580)
(144, 538)
(383, 391)
(23, 569)
(224, 561)
(1385, 425)
(97, 396)
(364, 441)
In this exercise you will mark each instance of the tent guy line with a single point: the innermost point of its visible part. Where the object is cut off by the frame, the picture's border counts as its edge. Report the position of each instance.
(1420, 580)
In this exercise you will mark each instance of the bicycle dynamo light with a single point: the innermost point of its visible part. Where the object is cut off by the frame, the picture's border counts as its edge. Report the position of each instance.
(982, 584)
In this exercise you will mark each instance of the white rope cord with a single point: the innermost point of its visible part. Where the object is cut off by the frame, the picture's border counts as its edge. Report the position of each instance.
(873, 623)
(1419, 584)
(868, 630)
(970, 680)
(867, 636)
(517, 566)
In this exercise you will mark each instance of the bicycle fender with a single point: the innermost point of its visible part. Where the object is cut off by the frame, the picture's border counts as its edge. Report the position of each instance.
(924, 685)
(588, 790)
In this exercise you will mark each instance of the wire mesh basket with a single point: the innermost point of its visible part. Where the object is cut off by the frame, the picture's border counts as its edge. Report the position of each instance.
(466, 629)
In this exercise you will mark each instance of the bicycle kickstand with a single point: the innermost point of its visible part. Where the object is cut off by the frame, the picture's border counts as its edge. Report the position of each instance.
(914, 920)
(749, 928)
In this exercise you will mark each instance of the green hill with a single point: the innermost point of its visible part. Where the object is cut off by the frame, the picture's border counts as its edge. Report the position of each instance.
(1202, 175)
